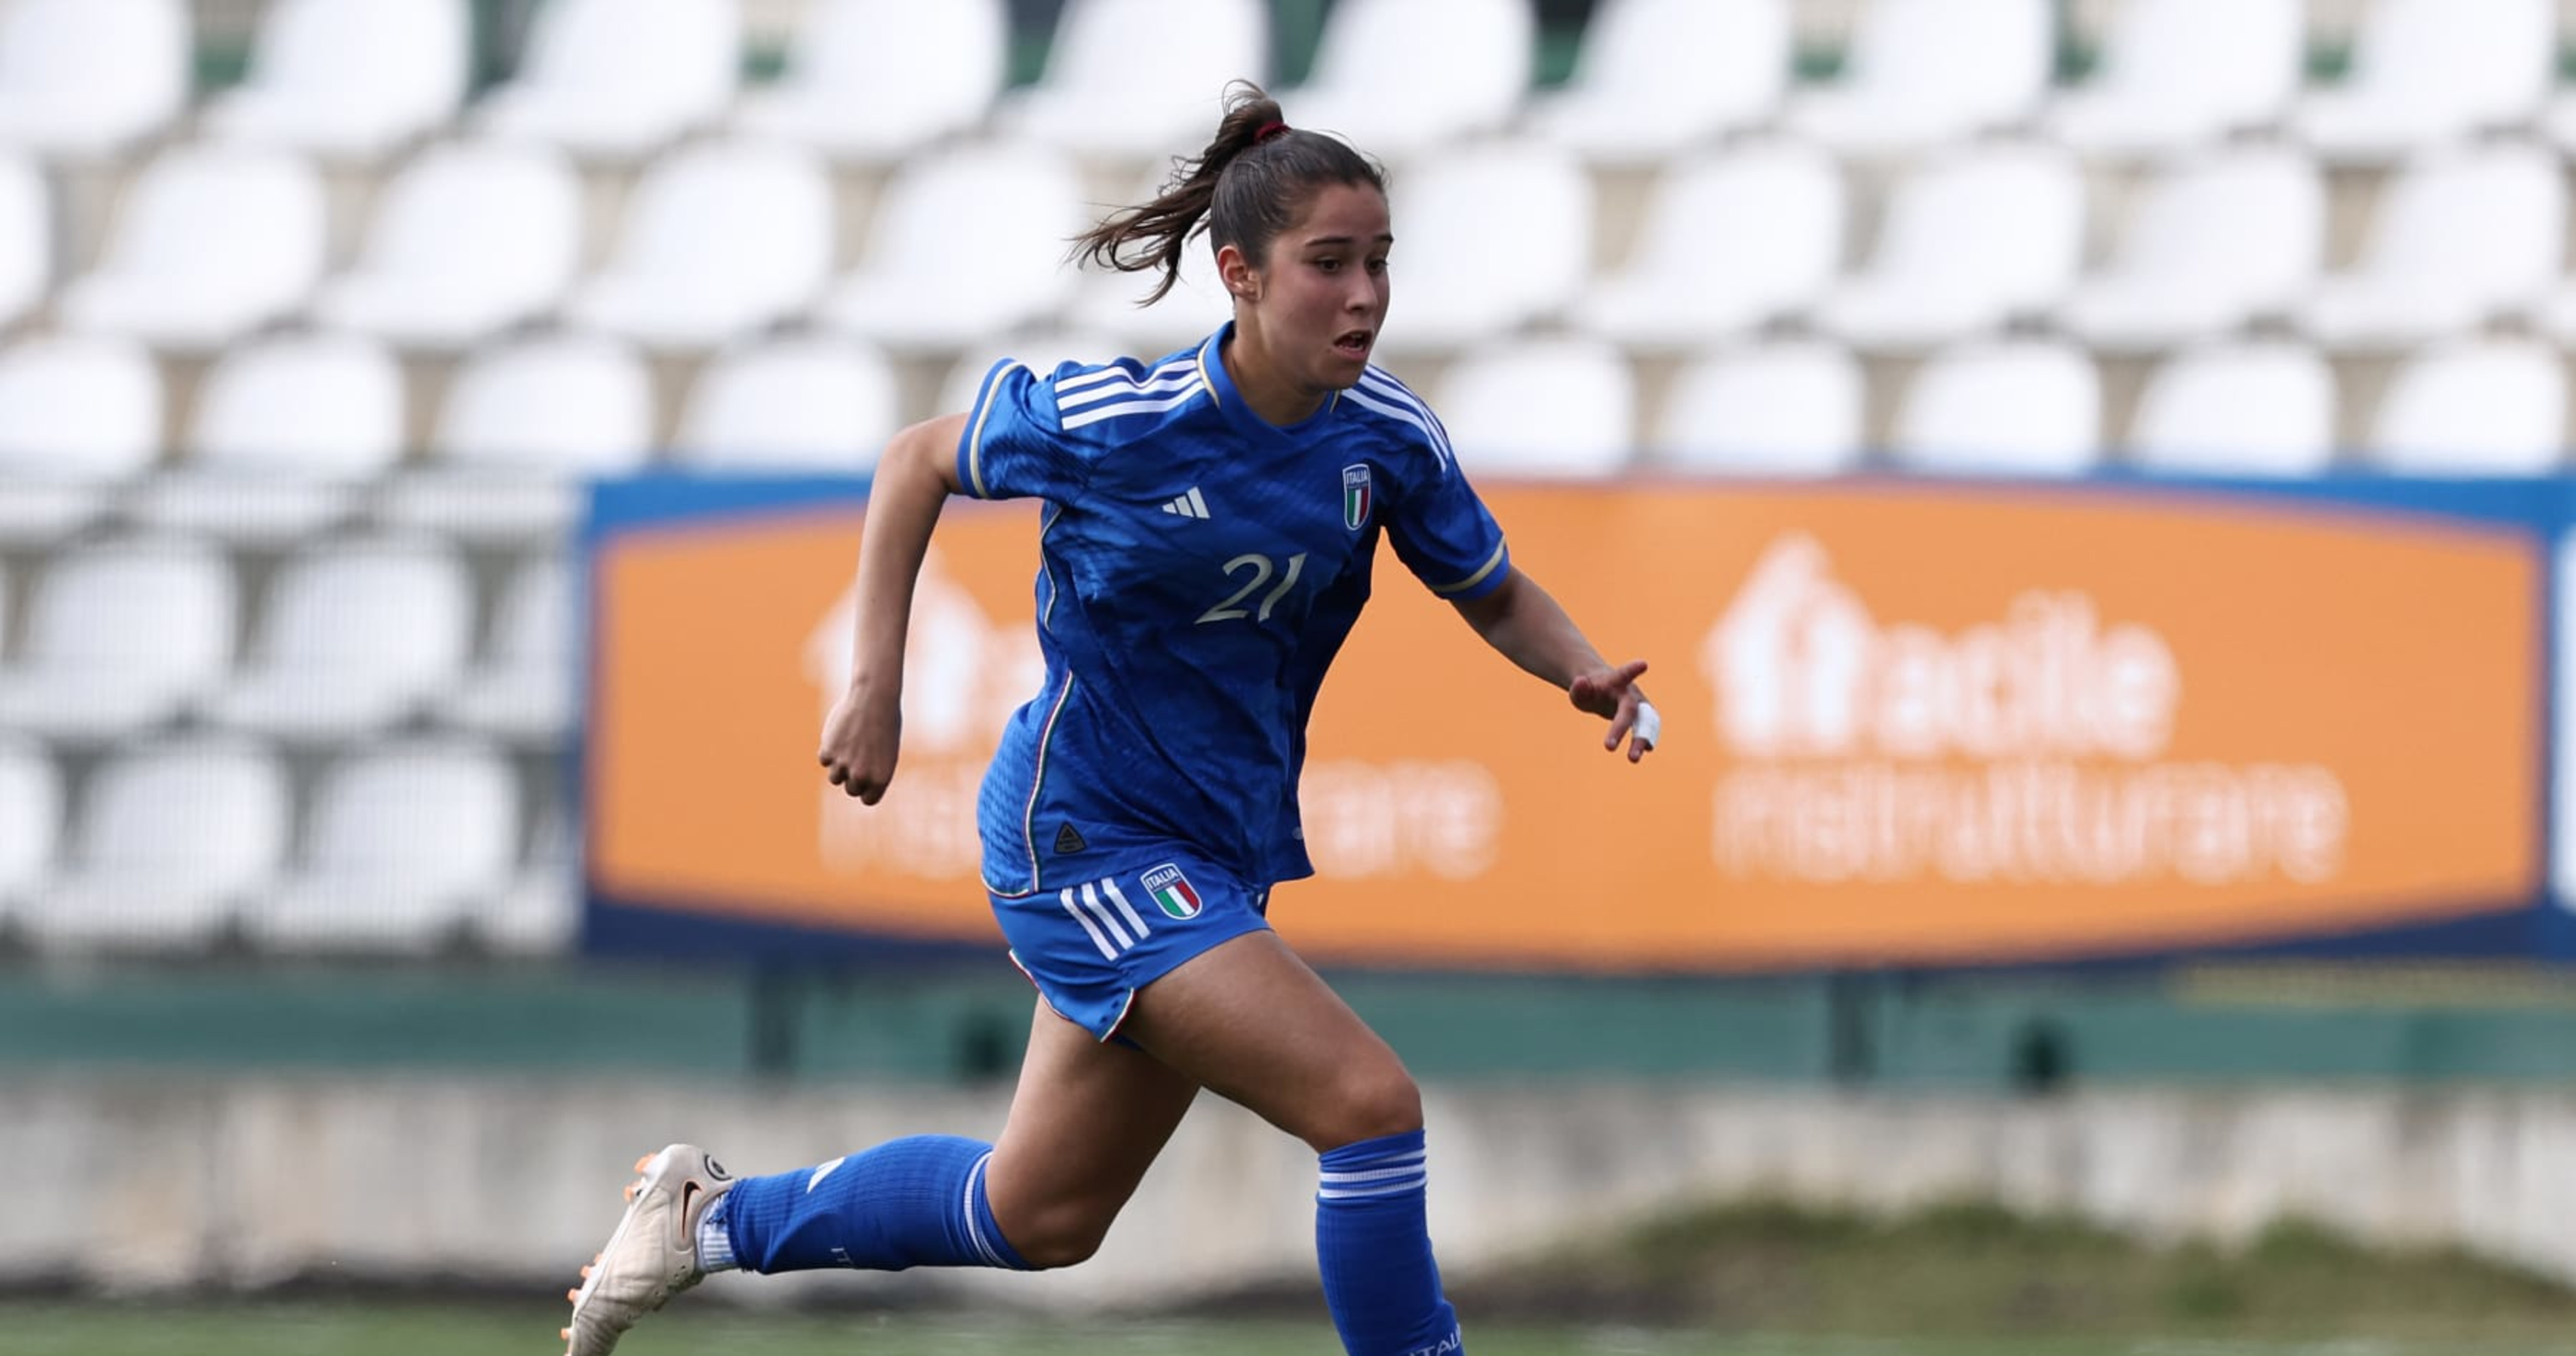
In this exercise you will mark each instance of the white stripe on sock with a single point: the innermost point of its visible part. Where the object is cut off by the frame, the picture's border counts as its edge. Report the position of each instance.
(974, 1221)
(1413, 1169)
(1364, 1193)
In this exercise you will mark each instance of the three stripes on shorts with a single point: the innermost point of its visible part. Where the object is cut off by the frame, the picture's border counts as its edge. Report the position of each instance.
(1112, 922)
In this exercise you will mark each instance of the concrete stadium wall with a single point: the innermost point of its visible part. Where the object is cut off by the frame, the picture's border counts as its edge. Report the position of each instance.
(145, 1183)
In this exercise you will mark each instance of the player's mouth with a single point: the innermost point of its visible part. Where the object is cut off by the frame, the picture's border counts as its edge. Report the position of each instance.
(1354, 344)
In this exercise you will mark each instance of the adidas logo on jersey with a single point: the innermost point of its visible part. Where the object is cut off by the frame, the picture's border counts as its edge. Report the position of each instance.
(1188, 505)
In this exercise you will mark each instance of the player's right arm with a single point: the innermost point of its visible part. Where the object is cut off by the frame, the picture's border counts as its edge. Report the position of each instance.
(913, 480)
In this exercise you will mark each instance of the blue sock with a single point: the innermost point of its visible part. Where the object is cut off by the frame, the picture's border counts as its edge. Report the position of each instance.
(1379, 1279)
(917, 1202)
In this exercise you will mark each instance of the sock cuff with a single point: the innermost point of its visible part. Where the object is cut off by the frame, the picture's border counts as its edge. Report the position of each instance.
(1390, 1165)
(982, 1229)
(715, 1239)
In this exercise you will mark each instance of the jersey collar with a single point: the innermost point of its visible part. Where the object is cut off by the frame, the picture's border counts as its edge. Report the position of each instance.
(1231, 403)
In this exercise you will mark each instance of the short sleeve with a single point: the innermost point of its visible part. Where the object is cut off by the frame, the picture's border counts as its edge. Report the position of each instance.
(1014, 445)
(1444, 534)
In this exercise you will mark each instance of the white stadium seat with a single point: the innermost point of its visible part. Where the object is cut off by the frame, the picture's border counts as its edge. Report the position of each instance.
(31, 818)
(2022, 407)
(83, 79)
(1729, 241)
(1918, 73)
(540, 913)
(1556, 408)
(1655, 78)
(520, 689)
(2182, 73)
(522, 423)
(26, 236)
(78, 417)
(820, 404)
(875, 80)
(616, 79)
(2214, 242)
(1460, 281)
(1971, 237)
(1790, 408)
(967, 243)
(1140, 79)
(170, 839)
(2474, 407)
(721, 240)
(351, 82)
(212, 242)
(469, 240)
(284, 432)
(120, 637)
(403, 843)
(2256, 408)
(1105, 303)
(2457, 238)
(353, 639)
(1400, 77)
(2425, 72)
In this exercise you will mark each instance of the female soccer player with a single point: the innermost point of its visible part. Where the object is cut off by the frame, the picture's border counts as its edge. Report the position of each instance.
(1210, 524)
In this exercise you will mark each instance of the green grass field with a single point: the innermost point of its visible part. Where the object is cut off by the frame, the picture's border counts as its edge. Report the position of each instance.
(1746, 1280)
(340, 1328)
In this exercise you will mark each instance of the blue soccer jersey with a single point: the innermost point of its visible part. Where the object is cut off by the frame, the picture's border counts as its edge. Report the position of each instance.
(1199, 569)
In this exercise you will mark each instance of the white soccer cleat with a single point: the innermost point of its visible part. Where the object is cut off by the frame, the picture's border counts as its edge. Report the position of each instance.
(654, 1253)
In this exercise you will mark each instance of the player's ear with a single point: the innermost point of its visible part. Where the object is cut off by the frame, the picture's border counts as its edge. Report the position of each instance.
(1242, 281)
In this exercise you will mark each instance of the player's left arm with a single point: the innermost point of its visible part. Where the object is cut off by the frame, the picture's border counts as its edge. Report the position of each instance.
(1526, 624)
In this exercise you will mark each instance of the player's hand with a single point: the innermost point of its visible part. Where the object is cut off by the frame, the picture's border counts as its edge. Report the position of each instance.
(861, 739)
(1613, 694)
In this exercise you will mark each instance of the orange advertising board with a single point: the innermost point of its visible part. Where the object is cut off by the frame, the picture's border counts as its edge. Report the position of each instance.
(1903, 724)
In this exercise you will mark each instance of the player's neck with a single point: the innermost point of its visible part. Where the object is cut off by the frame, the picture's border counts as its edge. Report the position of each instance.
(1277, 400)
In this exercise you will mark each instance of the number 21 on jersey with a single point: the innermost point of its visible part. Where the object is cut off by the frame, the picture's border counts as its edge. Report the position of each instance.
(1261, 567)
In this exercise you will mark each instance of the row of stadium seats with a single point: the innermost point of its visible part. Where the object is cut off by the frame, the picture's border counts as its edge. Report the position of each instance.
(342, 639)
(407, 847)
(724, 240)
(1135, 78)
(304, 434)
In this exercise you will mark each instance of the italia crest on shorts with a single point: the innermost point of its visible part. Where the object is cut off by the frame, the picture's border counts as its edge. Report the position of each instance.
(1172, 891)
(1355, 495)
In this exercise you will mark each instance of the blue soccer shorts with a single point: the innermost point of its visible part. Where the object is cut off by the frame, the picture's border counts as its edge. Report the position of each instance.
(1090, 942)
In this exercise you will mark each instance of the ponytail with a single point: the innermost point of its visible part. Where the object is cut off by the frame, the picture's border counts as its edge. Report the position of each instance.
(1247, 184)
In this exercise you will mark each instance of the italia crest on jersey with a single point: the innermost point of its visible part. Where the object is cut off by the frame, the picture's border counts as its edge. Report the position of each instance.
(1355, 496)
(1172, 891)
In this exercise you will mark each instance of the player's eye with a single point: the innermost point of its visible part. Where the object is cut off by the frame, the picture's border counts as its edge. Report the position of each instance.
(1329, 264)
(1377, 265)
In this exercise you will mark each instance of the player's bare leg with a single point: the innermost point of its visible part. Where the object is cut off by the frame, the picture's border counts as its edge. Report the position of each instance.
(1087, 1120)
(1250, 1020)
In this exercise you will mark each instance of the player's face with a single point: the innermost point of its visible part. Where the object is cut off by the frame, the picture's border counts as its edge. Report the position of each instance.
(1322, 293)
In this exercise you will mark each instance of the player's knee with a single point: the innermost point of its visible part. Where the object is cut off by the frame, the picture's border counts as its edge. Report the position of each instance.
(1059, 1237)
(1369, 1102)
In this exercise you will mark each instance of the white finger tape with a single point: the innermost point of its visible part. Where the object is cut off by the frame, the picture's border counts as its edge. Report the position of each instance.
(1649, 729)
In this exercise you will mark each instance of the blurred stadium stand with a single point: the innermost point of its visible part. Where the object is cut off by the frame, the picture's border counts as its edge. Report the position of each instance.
(311, 326)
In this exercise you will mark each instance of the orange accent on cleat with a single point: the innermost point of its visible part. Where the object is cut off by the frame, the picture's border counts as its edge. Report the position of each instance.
(566, 1334)
(644, 1162)
(630, 1191)
(585, 1273)
(573, 1294)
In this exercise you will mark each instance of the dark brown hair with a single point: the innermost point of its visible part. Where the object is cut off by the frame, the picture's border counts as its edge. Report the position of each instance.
(1248, 184)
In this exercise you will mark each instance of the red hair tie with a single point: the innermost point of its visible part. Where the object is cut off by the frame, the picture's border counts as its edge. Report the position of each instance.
(1268, 130)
